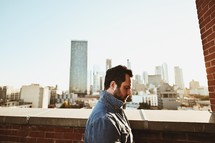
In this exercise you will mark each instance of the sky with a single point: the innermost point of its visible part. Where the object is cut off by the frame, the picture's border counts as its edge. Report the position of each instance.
(35, 38)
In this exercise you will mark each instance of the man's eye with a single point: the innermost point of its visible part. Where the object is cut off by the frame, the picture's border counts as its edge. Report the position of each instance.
(127, 88)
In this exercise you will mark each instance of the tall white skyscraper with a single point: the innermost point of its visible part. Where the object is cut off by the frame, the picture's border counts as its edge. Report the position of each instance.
(97, 82)
(158, 71)
(163, 71)
(108, 64)
(145, 77)
(179, 81)
(78, 68)
(128, 64)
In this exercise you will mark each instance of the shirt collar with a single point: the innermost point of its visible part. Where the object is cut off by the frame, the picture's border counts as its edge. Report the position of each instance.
(111, 99)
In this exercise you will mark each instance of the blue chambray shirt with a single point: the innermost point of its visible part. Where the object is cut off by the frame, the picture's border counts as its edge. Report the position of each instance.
(107, 122)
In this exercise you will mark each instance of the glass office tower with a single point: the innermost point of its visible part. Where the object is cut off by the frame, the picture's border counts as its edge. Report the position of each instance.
(78, 68)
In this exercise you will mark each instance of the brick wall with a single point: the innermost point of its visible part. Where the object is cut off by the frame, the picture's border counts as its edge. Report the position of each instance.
(31, 125)
(40, 134)
(12, 133)
(206, 16)
(153, 136)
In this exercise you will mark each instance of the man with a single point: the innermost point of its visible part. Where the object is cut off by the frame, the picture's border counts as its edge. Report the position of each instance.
(107, 122)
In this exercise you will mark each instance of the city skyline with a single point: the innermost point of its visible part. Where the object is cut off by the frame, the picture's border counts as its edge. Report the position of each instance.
(35, 38)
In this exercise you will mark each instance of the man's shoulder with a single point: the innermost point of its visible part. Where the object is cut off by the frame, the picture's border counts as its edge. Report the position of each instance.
(102, 119)
(98, 113)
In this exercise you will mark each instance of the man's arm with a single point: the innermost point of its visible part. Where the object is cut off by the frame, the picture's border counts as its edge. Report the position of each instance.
(104, 130)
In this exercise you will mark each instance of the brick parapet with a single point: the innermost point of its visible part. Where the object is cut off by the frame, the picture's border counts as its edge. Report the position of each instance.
(62, 126)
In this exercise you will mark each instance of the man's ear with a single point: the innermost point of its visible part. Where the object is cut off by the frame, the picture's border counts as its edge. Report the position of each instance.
(113, 85)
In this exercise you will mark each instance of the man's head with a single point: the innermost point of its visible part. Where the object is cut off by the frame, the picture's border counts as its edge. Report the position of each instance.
(118, 82)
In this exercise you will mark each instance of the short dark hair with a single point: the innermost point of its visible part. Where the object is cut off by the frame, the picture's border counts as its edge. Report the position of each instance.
(116, 74)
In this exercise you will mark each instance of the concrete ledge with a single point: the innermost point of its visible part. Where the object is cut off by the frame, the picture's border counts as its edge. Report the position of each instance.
(156, 120)
(181, 127)
(57, 121)
(13, 120)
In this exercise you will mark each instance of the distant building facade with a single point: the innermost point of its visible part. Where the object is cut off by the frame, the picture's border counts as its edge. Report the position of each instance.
(145, 77)
(150, 99)
(163, 71)
(97, 82)
(17, 104)
(194, 84)
(179, 81)
(46, 96)
(154, 79)
(9, 93)
(32, 93)
(66, 97)
(78, 68)
(199, 91)
(40, 97)
(10, 97)
(167, 97)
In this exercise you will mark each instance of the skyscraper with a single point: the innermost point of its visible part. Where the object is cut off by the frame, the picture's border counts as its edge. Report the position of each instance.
(78, 68)
(108, 64)
(179, 81)
(145, 77)
(128, 64)
(97, 82)
(163, 71)
(158, 71)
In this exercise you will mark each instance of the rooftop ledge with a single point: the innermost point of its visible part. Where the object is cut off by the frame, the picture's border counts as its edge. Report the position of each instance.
(160, 120)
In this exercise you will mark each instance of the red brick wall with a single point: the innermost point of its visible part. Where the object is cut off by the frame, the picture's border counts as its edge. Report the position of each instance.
(206, 16)
(12, 133)
(153, 136)
(40, 134)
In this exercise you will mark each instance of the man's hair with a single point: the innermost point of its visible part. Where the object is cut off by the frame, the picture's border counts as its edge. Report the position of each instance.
(116, 74)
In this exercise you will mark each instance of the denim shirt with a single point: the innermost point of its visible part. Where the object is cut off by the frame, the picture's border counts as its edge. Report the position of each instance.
(107, 122)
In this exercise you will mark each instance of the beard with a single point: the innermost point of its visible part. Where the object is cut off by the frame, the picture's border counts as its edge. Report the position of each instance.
(117, 94)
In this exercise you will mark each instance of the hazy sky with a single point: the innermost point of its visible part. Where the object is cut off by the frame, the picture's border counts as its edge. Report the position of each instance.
(35, 38)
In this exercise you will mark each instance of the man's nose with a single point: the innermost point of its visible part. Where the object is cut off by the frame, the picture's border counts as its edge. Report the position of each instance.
(129, 92)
